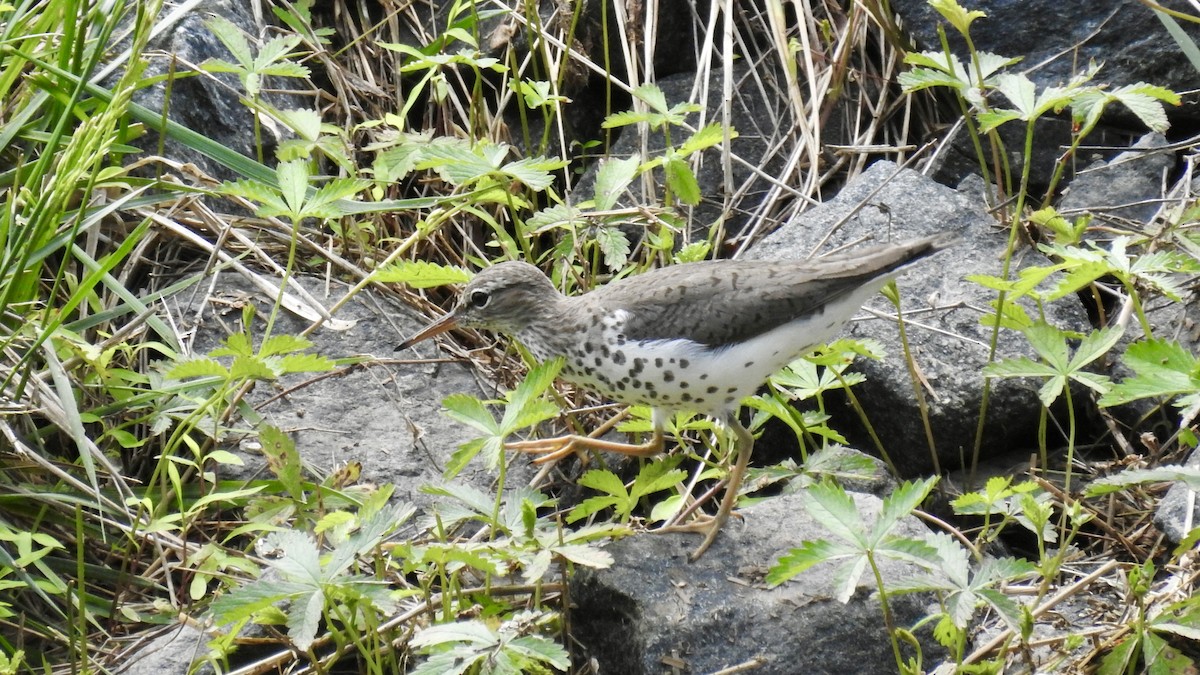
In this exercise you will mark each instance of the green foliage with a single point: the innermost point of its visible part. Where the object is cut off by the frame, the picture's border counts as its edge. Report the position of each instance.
(655, 476)
(523, 408)
(474, 646)
(316, 586)
(1058, 366)
(1145, 647)
(272, 58)
(1161, 369)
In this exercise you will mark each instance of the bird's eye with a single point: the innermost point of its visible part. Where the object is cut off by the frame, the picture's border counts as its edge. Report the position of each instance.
(479, 299)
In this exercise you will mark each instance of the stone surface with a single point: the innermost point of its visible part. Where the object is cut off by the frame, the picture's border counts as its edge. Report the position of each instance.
(755, 160)
(1059, 39)
(384, 413)
(170, 652)
(948, 343)
(210, 104)
(1124, 191)
(653, 611)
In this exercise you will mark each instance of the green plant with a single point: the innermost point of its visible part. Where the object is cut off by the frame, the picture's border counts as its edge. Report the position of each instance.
(860, 547)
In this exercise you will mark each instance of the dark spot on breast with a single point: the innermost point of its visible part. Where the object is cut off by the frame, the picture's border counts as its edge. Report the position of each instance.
(618, 357)
(658, 362)
(732, 390)
(748, 364)
(685, 397)
(704, 376)
(684, 363)
(713, 390)
(668, 376)
(729, 400)
(605, 351)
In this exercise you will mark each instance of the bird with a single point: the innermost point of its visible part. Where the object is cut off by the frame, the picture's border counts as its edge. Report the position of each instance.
(696, 337)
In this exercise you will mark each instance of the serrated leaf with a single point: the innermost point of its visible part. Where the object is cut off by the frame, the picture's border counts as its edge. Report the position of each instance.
(1188, 475)
(284, 344)
(470, 411)
(682, 181)
(614, 245)
(250, 368)
(231, 36)
(245, 601)
(705, 138)
(470, 632)
(583, 554)
(652, 96)
(541, 650)
(1163, 368)
(421, 274)
(834, 509)
(282, 459)
(613, 176)
(305, 363)
(800, 559)
(901, 503)
(956, 15)
(198, 367)
(605, 481)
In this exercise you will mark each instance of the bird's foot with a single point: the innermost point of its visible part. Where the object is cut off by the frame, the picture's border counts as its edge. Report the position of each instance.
(704, 524)
(556, 448)
(550, 449)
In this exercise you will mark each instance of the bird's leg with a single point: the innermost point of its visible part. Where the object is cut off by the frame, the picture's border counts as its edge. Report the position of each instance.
(557, 448)
(711, 525)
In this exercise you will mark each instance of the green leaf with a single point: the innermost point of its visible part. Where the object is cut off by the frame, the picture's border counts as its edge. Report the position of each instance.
(800, 559)
(605, 481)
(421, 274)
(956, 15)
(305, 363)
(1163, 368)
(613, 176)
(614, 245)
(282, 459)
(470, 411)
(231, 36)
(705, 138)
(834, 509)
(521, 410)
(1188, 475)
(900, 504)
(284, 344)
(251, 368)
(682, 181)
(653, 97)
(198, 367)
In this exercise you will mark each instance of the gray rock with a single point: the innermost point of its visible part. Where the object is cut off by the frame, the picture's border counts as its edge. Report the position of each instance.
(1124, 189)
(171, 652)
(654, 611)
(1178, 512)
(1059, 39)
(382, 413)
(948, 343)
(210, 104)
(755, 161)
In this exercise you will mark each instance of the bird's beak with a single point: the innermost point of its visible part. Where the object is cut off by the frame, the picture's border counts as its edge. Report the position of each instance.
(436, 328)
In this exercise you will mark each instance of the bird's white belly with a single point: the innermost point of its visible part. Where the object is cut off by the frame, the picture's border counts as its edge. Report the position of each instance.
(684, 375)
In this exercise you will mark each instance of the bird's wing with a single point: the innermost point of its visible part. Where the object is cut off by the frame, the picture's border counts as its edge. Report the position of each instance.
(721, 302)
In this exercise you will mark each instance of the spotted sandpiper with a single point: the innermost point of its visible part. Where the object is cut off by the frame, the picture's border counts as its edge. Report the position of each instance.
(698, 336)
